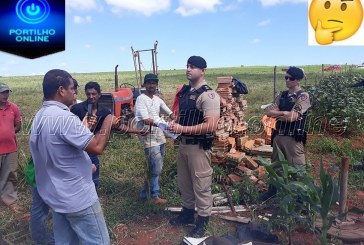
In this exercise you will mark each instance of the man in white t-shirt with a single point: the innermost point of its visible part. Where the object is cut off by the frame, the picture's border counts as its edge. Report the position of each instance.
(148, 108)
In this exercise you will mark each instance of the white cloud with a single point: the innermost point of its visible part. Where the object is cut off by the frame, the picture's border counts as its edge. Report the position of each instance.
(37, 74)
(193, 7)
(173, 51)
(267, 3)
(122, 49)
(4, 68)
(145, 7)
(13, 62)
(80, 20)
(63, 64)
(256, 40)
(87, 45)
(82, 4)
(264, 22)
(230, 7)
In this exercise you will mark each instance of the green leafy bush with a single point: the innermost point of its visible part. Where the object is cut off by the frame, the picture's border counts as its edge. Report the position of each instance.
(299, 199)
(336, 103)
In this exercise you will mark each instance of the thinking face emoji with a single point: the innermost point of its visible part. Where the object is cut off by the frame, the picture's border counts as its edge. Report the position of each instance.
(335, 20)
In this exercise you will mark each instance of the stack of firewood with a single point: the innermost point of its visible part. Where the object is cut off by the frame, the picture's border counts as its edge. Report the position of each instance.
(231, 143)
(231, 129)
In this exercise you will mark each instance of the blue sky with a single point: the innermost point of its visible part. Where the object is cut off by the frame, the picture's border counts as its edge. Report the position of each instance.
(99, 34)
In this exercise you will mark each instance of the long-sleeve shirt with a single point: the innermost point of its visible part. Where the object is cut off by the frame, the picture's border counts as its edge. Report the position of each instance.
(145, 108)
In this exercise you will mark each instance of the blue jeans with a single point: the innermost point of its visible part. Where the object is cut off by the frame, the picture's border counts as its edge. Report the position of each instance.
(38, 215)
(96, 175)
(155, 155)
(84, 227)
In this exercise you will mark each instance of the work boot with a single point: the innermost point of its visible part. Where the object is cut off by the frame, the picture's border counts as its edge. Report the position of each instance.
(186, 217)
(200, 228)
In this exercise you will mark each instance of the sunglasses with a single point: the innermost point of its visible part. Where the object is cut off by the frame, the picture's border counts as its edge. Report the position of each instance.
(290, 78)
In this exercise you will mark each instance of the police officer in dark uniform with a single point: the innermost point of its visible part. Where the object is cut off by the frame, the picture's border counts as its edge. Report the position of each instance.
(199, 112)
(290, 109)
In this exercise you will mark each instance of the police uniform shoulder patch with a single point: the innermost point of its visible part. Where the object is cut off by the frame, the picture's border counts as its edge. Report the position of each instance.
(211, 95)
(303, 97)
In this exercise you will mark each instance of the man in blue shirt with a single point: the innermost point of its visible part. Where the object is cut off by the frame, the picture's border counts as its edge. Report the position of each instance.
(93, 93)
(58, 143)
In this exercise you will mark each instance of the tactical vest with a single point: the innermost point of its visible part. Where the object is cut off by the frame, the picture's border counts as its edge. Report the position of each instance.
(189, 115)
(286, 103)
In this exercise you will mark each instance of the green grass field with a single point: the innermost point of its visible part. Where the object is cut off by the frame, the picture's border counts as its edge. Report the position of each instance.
(123, 162)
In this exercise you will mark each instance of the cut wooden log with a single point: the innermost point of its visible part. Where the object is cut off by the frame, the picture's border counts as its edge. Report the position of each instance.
(250, 163)
(220, 209)
(239, 219)
(215, 159)
(222, 135)
(220, 201)
(241, 128)
(261, 172)
(235, 157)
(348, 233)
(259, 142)
(248, 146)
(245, 170)
(264, 150)
(235, 178)
(243, 104)
(241, 141)
(222, 80)
(218, 195)
(232, 142)
(253, 179)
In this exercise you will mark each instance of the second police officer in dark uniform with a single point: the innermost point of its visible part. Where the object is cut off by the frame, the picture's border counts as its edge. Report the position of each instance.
(290, 110)
(199, 112)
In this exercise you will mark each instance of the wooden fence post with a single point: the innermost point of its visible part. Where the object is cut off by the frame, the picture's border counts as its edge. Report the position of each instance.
(343, 186)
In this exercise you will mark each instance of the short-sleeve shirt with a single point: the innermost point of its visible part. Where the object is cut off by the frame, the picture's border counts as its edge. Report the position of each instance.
(146, 107)
(80, 110)
(302, 103)
(208, 102)
(62, 167)
(9, 115)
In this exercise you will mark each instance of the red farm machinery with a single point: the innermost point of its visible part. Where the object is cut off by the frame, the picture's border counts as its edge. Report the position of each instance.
(121, 100)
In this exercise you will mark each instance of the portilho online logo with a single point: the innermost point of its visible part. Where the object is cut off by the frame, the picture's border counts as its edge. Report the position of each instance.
(32, 11)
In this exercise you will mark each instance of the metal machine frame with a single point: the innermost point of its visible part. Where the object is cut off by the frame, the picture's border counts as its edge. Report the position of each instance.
(137, 62)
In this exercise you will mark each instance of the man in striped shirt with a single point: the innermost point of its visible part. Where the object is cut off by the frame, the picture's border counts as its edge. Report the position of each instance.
(148, 107)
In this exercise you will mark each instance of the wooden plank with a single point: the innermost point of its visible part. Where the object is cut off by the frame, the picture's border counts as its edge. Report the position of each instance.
(349, 233)
(245, 170)
(235, 178)
(239, 219)
(264, 150)
(235, 157)
(221, 209)
(250, 163)
(227, 79)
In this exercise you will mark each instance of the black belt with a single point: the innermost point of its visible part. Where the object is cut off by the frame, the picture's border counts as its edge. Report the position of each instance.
(190, 141)
(285, 133)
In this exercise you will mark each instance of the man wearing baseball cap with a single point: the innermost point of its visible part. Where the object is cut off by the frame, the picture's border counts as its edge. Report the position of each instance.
(10, 124)
(198, 114)
(148, 108)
